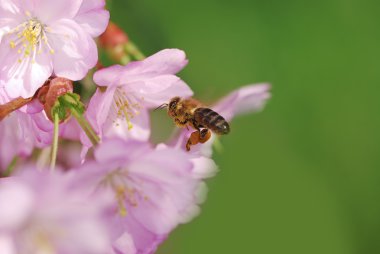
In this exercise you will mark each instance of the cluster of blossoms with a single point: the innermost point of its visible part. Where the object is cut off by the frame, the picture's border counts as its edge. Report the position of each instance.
(108, 188)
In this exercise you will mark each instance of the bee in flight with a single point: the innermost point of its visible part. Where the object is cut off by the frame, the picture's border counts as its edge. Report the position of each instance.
(190, 112)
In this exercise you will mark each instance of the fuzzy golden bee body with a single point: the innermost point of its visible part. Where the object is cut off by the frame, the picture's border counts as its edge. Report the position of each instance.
(190, 112)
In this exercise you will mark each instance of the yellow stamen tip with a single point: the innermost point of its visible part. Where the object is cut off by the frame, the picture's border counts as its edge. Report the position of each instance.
(130, 126)
(123, 211)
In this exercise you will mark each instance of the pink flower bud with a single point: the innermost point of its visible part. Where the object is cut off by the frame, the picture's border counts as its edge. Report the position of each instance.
(113, 36)
(49, 94)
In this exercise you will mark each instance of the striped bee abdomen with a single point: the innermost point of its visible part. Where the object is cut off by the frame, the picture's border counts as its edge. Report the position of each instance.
(208, 118)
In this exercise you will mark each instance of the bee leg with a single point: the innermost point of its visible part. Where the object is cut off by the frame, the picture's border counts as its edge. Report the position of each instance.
(180, 123)
(205, 135)
(193, 140)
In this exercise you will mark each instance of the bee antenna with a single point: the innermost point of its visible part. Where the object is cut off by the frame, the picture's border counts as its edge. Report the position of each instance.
(162, 106)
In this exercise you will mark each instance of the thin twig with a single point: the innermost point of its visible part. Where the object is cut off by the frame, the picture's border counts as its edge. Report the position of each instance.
(13, 105)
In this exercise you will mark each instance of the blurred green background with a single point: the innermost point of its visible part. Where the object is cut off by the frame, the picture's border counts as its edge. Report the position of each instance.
(303, 176)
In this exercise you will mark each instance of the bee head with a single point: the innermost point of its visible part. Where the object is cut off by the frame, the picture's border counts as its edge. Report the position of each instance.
(172, 106)
(173, 103)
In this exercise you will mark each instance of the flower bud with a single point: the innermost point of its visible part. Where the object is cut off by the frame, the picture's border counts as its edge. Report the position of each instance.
(49, 94)
(113, 36)
(113, 40)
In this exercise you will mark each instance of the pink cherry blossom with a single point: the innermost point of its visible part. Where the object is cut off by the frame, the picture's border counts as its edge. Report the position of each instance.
(122, 109)
(43, 37)
(154, 189)
(20, 133)
(50, 213)
(247, 99)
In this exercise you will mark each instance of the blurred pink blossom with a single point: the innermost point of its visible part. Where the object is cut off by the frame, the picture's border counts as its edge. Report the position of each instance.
(20, 133)
(39, 38)
(50, 213)
(154, 189)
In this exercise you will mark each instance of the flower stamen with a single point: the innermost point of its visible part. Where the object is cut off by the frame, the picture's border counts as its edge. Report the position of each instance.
(29, 38)
(125, 193)
(123, 109)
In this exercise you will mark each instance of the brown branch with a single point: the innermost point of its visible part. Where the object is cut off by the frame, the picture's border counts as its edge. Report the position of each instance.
(13, 105)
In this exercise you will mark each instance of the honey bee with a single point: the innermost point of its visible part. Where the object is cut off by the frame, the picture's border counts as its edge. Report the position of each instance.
(190, 112)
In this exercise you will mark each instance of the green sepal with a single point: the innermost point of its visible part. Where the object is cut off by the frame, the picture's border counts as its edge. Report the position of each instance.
(65, 103)
(61, 110)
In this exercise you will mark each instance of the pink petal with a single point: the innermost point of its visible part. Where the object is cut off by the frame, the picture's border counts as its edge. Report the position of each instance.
(6, 244)
(17, 201)
(145, 241)
(3, 96)
(167, 61)
(158, 214)
(98, 113)
(10, 7)
(17, 129)
(75, 51)
(71, 130)
(160, 89)
(22, 79)
(124, 245)
(247, 99)
(159, 169)
(99, 107)
(49, 11)
(109, 76)
(12, 13)
(203, 167)
(117, 149)
(93, 17)
(32, 107)
(120, 128)
(164, 166)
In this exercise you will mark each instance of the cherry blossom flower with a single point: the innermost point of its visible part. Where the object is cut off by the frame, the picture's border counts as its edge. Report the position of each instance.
(154, 189)
(247, 99)
(44, 37)
(51, 213)
(20, 133)
(122, 109)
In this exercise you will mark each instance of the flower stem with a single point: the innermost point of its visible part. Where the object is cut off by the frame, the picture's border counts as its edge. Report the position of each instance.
(134, 51)
(11, 167)
(87, 128)
(55, 142)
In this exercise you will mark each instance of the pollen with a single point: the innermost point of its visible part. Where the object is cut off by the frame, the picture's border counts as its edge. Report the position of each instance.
(126, 193)
(32, 32)
(30, 39)
(120, 197)
(124, 108)
(42, 240)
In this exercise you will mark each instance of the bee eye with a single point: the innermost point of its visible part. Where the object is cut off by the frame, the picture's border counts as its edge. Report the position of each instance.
(173, 104)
